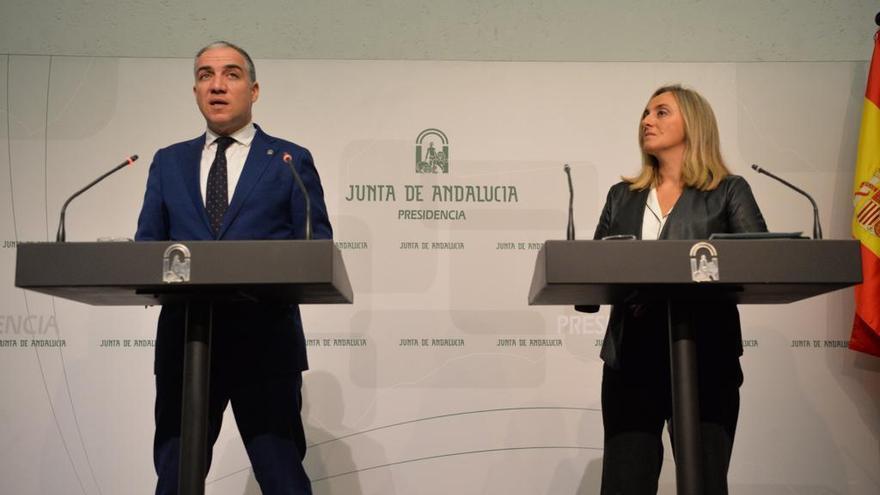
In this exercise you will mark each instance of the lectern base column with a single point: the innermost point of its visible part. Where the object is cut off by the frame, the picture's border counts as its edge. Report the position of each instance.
(685, 403)
(194, 415)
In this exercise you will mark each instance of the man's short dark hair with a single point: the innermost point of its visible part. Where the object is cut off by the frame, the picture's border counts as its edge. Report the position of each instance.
(249, 64)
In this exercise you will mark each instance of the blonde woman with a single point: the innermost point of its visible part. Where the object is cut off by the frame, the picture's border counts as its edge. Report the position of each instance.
(684, 190)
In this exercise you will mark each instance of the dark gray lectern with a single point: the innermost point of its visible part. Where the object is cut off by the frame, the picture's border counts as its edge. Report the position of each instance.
(198, 273)
(740, 271)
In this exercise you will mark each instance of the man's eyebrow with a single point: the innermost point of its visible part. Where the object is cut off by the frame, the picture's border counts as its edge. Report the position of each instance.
(226, 67)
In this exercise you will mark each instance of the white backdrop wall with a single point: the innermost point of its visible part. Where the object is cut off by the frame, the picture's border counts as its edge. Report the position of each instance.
(468, 414)
(520, 30)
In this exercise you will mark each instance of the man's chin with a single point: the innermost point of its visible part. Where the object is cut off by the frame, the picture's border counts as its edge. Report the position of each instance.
(222, 126)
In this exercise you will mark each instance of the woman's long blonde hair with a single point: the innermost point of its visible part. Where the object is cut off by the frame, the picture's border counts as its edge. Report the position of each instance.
(703, 167)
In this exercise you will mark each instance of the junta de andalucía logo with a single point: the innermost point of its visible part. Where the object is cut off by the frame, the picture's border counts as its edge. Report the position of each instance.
(432, 152)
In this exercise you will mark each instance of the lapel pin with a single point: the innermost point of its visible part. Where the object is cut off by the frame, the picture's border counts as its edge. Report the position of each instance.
(270, 152)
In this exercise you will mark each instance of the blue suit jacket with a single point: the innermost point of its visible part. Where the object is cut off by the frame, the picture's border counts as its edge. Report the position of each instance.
(248, 338)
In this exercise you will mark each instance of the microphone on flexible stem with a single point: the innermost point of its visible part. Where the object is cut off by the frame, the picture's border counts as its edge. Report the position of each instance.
(817, 229)
(61, 235)
(302, 187)
(569, 235)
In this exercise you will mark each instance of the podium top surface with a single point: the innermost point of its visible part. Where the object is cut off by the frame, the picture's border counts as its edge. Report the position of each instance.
(149, 273)
(765, 271)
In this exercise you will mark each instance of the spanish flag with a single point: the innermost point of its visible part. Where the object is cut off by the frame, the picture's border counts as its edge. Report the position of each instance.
(866, 215)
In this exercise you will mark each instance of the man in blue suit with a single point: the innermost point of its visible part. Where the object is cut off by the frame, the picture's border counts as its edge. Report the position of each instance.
(232, 183)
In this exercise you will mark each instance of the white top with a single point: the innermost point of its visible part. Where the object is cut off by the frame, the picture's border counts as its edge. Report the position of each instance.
(236, 155)
(654, 220)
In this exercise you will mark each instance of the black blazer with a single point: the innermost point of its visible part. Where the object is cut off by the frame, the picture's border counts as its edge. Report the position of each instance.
(634, 334)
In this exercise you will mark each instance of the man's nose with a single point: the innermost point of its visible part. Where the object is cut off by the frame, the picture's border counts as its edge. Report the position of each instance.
(217, 85)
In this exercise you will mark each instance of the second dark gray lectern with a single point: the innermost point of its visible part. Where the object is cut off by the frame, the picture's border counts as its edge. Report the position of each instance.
(686, 272)
(198, 273)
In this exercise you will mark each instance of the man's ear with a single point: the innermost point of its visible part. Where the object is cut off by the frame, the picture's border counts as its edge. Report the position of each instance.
(255, 92)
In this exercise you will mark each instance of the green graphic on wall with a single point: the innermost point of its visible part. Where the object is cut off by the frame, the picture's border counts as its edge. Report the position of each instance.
(430, 160)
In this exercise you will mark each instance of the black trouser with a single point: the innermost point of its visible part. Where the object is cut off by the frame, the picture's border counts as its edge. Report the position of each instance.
(634, 410)
(267, 412)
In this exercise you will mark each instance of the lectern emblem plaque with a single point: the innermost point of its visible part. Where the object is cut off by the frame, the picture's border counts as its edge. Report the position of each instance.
(176, 264)
(704, 262)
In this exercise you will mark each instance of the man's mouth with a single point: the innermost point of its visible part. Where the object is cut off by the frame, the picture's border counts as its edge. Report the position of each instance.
(217, 103)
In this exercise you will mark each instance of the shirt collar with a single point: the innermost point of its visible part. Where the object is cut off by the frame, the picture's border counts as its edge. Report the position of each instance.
(243, 136)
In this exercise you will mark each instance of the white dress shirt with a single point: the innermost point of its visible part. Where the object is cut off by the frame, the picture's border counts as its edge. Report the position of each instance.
(236, 155)
(654, 219)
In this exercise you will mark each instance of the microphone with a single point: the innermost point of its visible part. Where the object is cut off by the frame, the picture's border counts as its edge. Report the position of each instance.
(302, 187)
(582, 308)
(60, 236)
(817, 229)
(569, 235)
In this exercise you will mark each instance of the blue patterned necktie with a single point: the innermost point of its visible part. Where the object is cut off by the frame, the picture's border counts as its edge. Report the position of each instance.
(216, 201)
